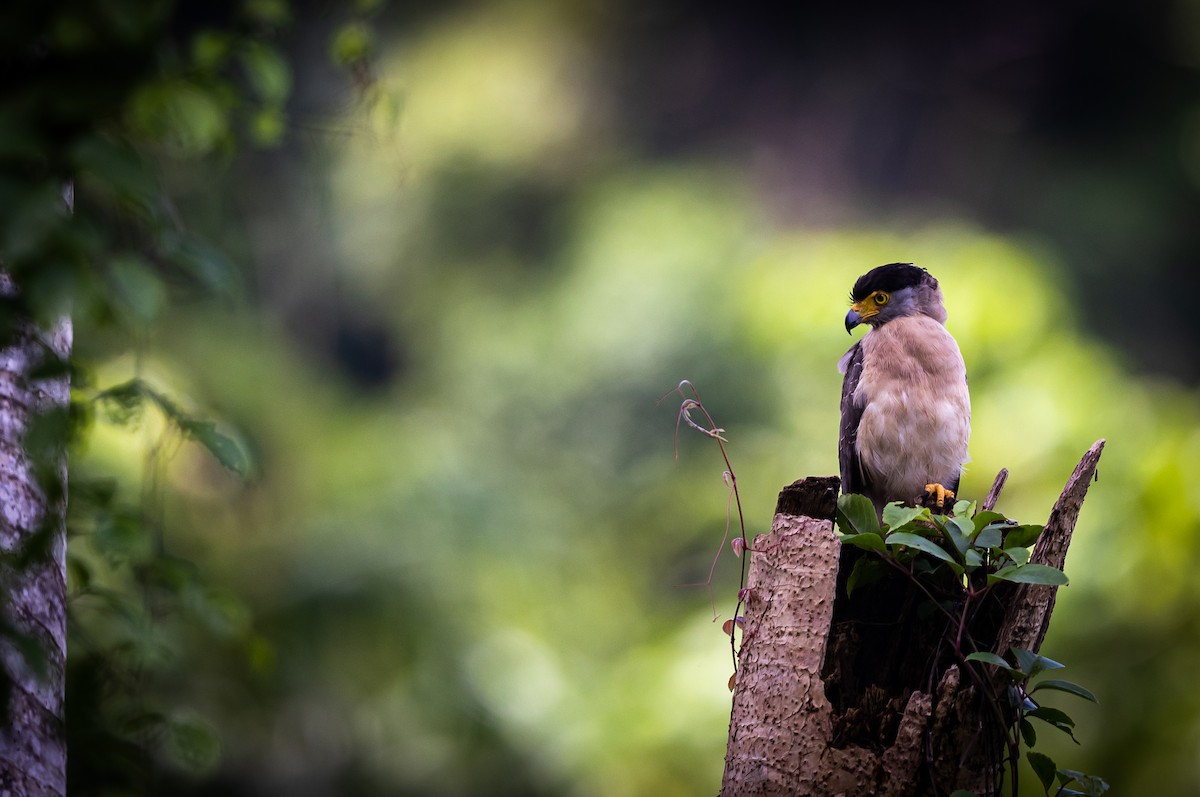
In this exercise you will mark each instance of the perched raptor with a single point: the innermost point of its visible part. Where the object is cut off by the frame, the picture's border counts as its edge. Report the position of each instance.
(906, 412)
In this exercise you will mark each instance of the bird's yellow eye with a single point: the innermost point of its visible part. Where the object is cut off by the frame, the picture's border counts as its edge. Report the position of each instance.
(881, 298)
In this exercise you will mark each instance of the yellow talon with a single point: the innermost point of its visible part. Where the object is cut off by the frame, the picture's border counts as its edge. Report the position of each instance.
(941, 492)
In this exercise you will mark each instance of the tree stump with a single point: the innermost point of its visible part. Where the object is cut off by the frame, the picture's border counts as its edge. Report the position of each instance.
(856, 696)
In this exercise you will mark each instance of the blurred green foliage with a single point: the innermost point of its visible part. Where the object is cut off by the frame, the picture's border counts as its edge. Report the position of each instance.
(470, 561)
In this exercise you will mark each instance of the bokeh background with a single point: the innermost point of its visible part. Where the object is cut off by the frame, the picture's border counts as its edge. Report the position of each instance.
(472, 557)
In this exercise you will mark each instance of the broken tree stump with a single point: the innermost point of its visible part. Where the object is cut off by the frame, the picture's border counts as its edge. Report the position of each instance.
(853, 696)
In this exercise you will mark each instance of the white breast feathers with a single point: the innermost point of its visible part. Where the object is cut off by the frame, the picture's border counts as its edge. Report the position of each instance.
(916, 419)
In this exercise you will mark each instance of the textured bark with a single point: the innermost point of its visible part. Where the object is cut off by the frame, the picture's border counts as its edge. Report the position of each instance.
(851, 697)
(32, 743)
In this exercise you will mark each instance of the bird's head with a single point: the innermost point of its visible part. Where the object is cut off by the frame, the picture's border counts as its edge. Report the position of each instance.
(894, 291)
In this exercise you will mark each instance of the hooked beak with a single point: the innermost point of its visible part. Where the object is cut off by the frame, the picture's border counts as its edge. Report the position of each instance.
(853, 319)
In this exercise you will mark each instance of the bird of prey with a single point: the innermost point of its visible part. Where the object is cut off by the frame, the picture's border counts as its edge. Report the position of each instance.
(906, 412)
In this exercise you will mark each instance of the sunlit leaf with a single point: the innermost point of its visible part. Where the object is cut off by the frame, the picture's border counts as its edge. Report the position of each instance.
(895, 515)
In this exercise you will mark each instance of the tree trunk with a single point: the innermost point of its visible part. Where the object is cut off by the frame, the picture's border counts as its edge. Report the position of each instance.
(33, 544)
(841, 696)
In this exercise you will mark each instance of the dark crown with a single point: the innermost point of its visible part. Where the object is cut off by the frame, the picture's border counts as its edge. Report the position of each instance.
(890, 278)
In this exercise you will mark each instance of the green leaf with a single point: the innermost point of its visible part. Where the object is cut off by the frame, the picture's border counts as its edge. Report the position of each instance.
(963, 793)
(1030, 574)
(79, 574)
(954, 534)
(1092, 786)
(1043, 767)
(1031, 663)
(1021, 536)
(963, 524)
(122, 534)
(269, 12)
(136, 287)
(972, 558)
(856, 515)
(964, 508)
(180, 114)
(921, 543)
(1059, 719)
(350, 44)
(267, 126)
(1019, 556)
(122, 404)
(987, 518)
(1064, 686)
(987, 657)
(1028, 734)
(210, 48)
(868, 541)
(226, 449)
(895, 515)
(205, 263)
(267, 72)
(988, 538)
(192, 743)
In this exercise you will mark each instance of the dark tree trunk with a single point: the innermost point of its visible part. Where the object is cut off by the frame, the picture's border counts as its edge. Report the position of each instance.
(864, 695)
(33, 574)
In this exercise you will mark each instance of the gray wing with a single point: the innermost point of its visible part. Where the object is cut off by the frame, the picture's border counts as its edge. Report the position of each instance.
(853, 479)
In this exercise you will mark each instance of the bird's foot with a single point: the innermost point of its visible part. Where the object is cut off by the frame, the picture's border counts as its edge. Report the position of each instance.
(938, 494)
